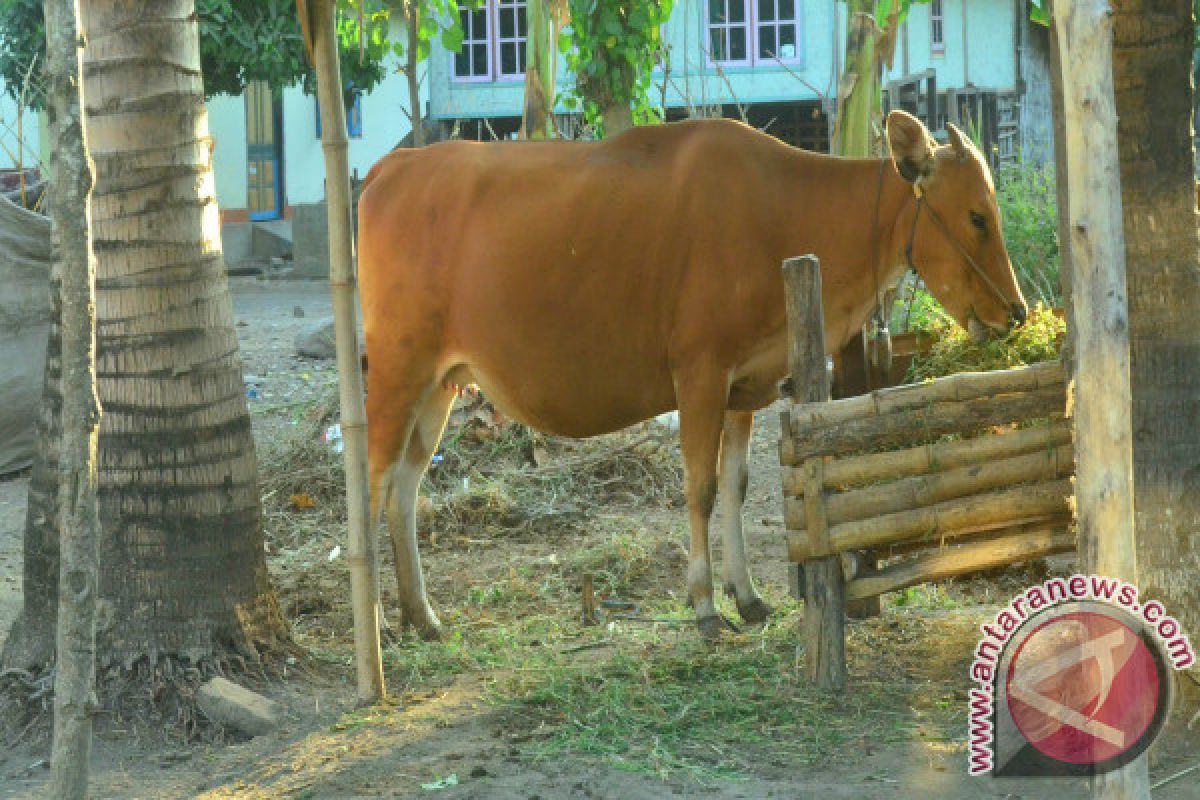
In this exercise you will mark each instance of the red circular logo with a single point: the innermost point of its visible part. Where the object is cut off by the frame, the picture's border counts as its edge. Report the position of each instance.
(1083, 688)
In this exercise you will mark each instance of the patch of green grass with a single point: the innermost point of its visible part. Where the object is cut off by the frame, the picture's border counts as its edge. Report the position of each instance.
(665, 705)
(928, 596)
(616, 564)
(371, 716)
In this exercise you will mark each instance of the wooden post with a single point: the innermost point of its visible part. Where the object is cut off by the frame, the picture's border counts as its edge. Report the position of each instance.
(1098, 316)
(361, 544)
(824, 585)
(78, 518)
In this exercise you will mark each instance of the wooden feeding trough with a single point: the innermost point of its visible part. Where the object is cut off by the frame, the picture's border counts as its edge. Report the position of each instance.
(937, 477)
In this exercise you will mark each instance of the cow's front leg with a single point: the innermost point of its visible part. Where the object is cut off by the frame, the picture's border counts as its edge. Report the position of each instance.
(732, 483)
(701, 401)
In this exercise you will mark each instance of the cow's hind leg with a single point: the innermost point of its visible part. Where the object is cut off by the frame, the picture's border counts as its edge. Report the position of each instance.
(701, 409)
(396, 479)
(402, 510)
(731, 489)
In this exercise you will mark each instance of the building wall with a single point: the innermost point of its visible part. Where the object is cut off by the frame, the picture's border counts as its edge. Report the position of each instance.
(1037, 103)
(227, 126)
(384, 124)
(31, 125)
(986, 60)
(984, 57)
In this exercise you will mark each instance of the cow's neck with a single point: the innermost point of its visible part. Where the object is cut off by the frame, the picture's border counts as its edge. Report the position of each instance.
(855, 260)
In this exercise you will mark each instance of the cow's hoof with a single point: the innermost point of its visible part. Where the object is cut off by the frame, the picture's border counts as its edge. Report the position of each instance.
(712, 627)
(430, 630)
(754, 612)
(425, 623)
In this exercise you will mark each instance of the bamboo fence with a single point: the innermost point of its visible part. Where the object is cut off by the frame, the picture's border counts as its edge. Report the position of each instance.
(940, 479)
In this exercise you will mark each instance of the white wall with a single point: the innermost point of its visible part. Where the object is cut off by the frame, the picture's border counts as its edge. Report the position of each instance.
(227, 125)
(990, 46)
(8, 134)
(384, 124)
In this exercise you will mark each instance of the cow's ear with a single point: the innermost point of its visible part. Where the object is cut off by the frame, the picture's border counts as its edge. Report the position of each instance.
(911, 145)
(958, 140)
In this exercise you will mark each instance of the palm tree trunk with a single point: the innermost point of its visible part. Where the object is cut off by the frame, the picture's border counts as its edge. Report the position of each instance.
(1152, 63)
(182, 543)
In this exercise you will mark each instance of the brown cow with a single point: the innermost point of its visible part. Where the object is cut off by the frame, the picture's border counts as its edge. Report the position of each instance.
(588, 286)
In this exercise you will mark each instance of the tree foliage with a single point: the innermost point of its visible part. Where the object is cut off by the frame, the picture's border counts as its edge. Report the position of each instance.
(437, 20)
(239, 42)
(611, 48)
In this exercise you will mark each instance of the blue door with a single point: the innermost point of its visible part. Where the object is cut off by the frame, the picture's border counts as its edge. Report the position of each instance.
(264, 152)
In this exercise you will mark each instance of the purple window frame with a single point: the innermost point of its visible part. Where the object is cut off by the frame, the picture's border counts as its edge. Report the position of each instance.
(473, 38)
(491, 40)
(517, 40)
(776, 25)
(752, 29)
(726, 28)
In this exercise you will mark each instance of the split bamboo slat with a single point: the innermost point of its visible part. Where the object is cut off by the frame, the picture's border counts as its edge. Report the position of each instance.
(973, 513)
(925, 490)
(954, 388)
(977, 533)
(895, 464)
(915, 426)
(960, 560)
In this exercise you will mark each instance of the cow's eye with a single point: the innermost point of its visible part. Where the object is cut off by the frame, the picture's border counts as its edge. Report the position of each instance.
(978, 220)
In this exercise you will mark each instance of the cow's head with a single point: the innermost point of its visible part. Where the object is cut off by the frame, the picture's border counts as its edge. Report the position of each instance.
(957, 243)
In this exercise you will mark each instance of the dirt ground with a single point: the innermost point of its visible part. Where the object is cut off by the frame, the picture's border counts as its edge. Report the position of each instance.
(458, 731)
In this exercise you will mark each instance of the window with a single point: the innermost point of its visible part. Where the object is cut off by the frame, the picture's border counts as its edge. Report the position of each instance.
(353, 117)
(937, 27)
(493, 42)
(745, 32)
(727, 32)
(510, 15)
(777, 30)
(474, 60)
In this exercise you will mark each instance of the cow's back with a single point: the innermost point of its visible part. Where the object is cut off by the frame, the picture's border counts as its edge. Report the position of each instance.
(559, 270)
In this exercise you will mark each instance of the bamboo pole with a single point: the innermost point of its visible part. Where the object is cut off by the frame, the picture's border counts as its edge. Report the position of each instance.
(932, 458)
(927, 490)
(917, 425)
(964, 559)
(1098, 316)
(953, 388)
(361, 554)
(824, 598)
(78, 516)
(1060, 521)
(998, 508)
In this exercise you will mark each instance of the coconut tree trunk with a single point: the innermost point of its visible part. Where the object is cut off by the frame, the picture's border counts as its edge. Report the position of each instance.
(76, 642)
(182, 539)
(1152, 63)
